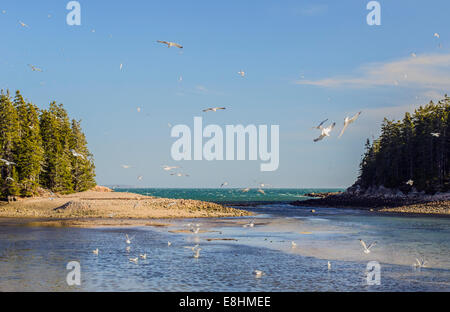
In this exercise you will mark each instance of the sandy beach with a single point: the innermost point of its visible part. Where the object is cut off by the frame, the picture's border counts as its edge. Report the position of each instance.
(100, 207)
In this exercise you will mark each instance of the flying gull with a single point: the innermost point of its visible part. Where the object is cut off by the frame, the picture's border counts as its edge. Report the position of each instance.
(367, 248)
(348, 121)
(171, 44)
(325, 132)
(319, 127)
(214, 109)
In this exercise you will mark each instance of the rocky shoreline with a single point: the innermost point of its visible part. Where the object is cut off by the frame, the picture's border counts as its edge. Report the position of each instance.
(383, 200)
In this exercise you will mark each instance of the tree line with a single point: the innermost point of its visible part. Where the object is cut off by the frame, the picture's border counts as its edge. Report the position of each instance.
(41, 148)
(411, 153)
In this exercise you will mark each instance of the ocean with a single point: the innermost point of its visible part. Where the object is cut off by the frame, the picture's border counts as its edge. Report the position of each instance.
(35, 259)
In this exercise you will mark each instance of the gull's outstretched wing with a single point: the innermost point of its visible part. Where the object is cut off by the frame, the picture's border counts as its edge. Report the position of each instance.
(355, 117)
(371, 245)
(320, 138)
(321, 124)
(363, 243)
(343, 129)
(177, 45)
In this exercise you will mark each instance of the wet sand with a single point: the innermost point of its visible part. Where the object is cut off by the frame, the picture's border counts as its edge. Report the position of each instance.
(100, 208)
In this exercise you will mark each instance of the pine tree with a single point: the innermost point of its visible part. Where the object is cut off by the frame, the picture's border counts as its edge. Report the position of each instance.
(9, 139)
(83, 169)
(29, 152)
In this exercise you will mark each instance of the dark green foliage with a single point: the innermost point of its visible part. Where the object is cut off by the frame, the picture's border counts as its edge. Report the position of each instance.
(40, 143)
(407, 150)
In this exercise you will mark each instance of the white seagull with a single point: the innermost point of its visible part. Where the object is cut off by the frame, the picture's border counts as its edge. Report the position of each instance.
(144, 256)
(126, 166)
(128, 239)
(197, 253)
(169, 244)
(169, 168)
(251, 224)
(325, 132)
(420, 263)
(436, 134)
(410, 182)
(293, 245)
(135, 260)
(170, 44)
(329, 265)
(95, 252)
(367, 248)
(213, 109)
(246, 190)
(258, 273)
(8, 163)
(348, 121)
(75, 154)
(34, 68)
(23, 24)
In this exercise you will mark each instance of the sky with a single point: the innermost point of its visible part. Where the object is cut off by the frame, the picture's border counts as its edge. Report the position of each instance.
(305, 61)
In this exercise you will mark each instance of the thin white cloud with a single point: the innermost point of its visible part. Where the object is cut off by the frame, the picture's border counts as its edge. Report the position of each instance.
(431, 71)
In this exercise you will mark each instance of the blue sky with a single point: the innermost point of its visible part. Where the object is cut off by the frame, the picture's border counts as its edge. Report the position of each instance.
(305, 61)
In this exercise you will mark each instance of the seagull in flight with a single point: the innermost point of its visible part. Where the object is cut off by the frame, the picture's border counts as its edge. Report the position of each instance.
(213, 109)
(75, 154)
(319, 127)
(348, 121)
(437, 35)
(126, 166)
(169, 168)
(134, 260)
(170, 44)
(241, 73)
(95, 252)
(420, 263)
(128, 239)
(34, 68)
(436, 134)
(23, 24)
(8, 163)
(251, 224)
(325, 132)
(410, 182)
(223, 184)
(367, 248)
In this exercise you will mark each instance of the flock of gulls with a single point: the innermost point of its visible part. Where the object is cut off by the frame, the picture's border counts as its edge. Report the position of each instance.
(195, 229)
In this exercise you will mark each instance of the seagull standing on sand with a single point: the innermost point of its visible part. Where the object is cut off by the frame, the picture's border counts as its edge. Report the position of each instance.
(367, 248)
(348, 121)
(170, 44)
(325, 132)
(213, 109)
